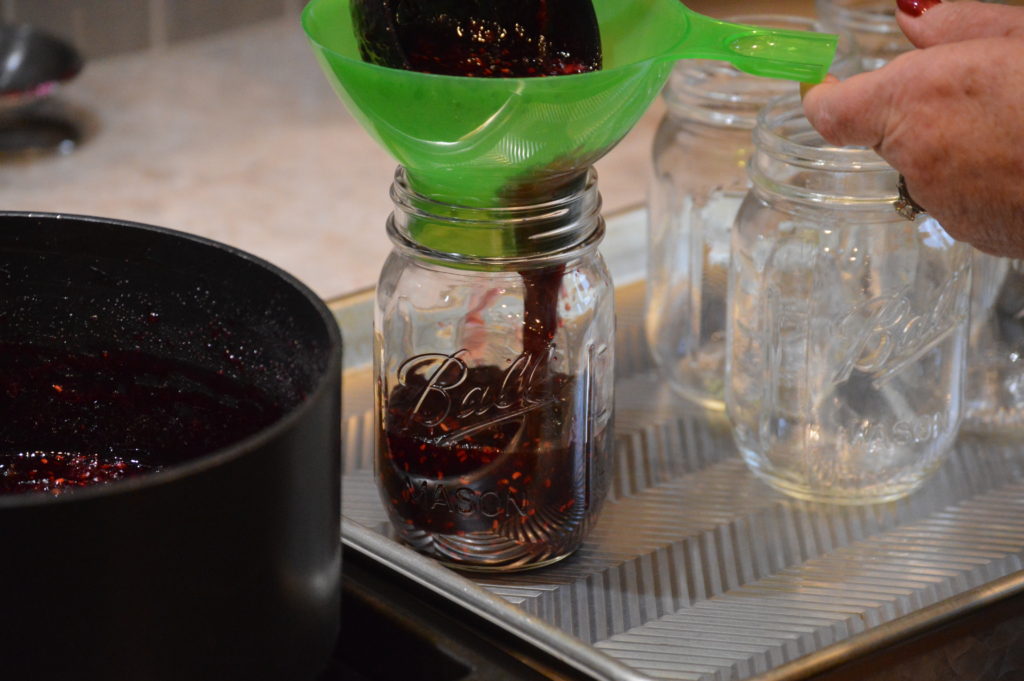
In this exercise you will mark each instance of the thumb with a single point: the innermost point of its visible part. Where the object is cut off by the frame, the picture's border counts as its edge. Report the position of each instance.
(853, 111)
(932, 22)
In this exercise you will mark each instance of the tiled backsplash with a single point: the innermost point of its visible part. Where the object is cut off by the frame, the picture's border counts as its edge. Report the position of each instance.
(99, 28)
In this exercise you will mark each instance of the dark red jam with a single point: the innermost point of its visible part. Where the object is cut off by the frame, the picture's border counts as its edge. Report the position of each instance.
(503, 453)
(57, 472)
(493, 39)
(72, 419)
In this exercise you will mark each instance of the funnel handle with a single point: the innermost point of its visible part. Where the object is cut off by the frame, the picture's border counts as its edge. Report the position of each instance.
(772, 52)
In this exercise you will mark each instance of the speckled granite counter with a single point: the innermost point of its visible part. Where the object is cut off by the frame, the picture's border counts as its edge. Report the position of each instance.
(241, 139)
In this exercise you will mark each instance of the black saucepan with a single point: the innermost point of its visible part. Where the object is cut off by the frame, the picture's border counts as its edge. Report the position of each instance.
(219, 565)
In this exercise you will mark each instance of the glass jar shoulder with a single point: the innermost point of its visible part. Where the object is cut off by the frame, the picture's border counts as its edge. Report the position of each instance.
(776, 212)
(441, 305)
(683, 146)
(406, 274)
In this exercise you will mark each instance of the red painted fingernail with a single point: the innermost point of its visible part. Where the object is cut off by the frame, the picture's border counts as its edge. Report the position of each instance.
(916, 8)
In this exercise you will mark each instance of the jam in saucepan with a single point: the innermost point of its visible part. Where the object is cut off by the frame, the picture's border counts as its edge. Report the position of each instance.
(72, 419)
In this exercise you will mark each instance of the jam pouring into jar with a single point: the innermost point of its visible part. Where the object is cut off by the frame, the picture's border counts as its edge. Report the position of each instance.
(485, 460)
(488, 39)
(494, 331)
(491, 39)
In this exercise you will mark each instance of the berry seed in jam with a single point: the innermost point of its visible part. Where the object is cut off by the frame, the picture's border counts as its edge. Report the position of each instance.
(58, 472)
(474, 456)
(75, 418)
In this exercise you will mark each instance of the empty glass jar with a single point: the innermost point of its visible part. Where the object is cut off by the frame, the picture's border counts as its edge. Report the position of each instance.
(994, 394)
(494, 332)
(847, 324)
(699, 178)
(868, 32)
(867, 29)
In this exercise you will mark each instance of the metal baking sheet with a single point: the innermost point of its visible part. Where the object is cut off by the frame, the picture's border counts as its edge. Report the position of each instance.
(696, 570)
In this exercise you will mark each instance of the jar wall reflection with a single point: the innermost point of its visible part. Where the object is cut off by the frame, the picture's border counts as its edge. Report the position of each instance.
(699, 179)
(994, 395)
(847, 323)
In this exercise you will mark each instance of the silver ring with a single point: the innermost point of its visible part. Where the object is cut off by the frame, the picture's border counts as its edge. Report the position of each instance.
(905, 205)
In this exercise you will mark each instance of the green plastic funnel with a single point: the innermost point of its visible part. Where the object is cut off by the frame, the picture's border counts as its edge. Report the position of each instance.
(474, 140)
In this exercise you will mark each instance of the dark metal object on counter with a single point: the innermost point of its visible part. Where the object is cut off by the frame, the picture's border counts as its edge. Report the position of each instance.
(33, 65)
(34, 133)
(225, 566)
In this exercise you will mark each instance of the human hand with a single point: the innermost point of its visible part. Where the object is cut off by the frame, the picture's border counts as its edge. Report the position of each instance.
(949, 117)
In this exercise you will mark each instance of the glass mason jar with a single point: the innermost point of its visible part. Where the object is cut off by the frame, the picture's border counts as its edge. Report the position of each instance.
(847, 324)
(994, 394)
(494, 331)
(699, 178)
(868, 33)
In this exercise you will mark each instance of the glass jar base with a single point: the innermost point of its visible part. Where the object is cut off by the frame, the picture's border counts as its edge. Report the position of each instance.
(463, 567)
(701, 399)
(704, 388)
(863, 496)
(482, 552)
(879, 495)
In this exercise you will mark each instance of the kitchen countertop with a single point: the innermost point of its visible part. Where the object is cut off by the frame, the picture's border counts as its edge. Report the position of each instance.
(241, 139)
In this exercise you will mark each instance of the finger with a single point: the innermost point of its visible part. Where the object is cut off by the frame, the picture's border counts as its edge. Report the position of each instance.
(855, 111)
(929, 22)
(806, 87)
